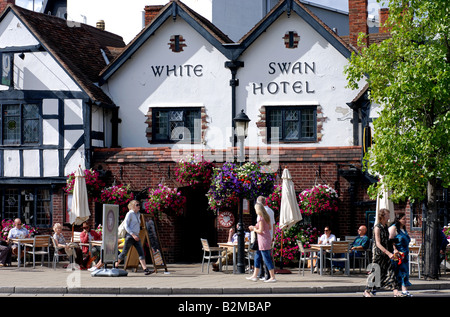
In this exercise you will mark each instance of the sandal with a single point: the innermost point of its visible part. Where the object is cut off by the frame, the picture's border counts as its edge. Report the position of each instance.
(368, 294)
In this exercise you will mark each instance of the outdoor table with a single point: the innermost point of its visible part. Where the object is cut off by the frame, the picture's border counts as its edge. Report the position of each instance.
(230, 245)
(321, 248)
(19, 242)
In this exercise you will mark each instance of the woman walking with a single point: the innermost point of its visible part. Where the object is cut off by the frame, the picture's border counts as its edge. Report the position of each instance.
(382, 270)
(262, 228)
(132, 226)
(400, 262)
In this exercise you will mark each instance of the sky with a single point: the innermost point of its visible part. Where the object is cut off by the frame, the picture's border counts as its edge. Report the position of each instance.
(338, 4)
(343, 4)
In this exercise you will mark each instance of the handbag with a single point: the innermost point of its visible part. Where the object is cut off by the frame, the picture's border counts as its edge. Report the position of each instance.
(121, 230)
(254, 242)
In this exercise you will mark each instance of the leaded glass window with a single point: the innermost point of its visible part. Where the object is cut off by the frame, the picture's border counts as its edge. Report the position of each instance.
(293, 123)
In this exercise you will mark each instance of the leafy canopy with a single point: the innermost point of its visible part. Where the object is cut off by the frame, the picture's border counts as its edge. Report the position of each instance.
(409, 76)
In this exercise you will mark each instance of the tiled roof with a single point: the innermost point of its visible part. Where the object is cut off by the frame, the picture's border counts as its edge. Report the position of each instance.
(77, 47)
(134, 44)
(309, 12)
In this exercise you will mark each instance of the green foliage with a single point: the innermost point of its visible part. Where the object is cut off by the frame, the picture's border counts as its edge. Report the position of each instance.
(409, 75)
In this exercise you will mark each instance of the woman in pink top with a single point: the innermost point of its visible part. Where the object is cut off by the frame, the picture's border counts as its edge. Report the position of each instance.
(262, 228)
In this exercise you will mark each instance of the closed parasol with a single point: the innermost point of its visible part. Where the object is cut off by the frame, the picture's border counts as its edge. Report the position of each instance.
(289, 210)
(80, 204)
(384, 201)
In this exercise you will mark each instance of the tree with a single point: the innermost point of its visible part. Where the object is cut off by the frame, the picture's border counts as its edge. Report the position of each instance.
(409, 75)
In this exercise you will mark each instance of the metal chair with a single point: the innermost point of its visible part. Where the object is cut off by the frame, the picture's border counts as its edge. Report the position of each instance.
(40, 246)
(341, 248)
(57, 254)
(364, 258)
(208, 253)
(305, 256)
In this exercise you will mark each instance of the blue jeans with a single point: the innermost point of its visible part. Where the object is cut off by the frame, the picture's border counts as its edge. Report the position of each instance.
(129, 241)
(266, 255)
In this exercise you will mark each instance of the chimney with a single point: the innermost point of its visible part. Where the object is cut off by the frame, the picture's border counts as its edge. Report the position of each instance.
(357, 16)
(384, 15)
(4, 3)
(100, 25)
(151, 11)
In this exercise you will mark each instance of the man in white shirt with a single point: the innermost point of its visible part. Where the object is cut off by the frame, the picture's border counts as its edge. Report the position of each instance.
(18, 232)
(327, 237)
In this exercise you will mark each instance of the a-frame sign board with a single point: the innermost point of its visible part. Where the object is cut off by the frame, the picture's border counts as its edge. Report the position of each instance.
(154, 248)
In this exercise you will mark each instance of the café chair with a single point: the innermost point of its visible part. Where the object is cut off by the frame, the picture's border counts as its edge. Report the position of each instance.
(40, 246)
(305, 256)
(209, 253)
(339, 252)
(415, 258)
(363, 257)
(57, 254)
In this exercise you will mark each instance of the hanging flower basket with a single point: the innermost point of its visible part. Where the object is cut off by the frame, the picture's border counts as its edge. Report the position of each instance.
(117, 195)
(93, 183)
(165, 200)
(317, 200)
(231, 182)
(194, 170)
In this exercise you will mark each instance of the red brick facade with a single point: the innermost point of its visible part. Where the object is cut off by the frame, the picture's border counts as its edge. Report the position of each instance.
(142, 168)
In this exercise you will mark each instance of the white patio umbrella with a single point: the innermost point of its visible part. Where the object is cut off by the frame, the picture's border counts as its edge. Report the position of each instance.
(80, 205)
(384, 201)
(289, 209)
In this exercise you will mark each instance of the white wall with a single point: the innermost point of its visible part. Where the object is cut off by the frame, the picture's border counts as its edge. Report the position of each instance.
(135, 88)
(326, 87)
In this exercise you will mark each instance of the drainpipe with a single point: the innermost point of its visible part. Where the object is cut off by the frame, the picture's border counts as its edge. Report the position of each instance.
(233, 66)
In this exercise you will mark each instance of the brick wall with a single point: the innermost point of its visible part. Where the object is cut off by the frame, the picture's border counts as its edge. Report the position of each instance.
(151, 11)
(384, 15)
(147, 167)
(4, 3)
(357, 14)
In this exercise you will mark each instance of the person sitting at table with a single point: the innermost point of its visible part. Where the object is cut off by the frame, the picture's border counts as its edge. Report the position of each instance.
(18, 232)
(326, 239)
(86, 236)
(228, 252)
(5, 253)
(360, 244)
(61, 243)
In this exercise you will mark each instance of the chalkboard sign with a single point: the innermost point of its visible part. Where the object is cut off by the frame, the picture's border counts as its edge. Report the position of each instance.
(150, 241)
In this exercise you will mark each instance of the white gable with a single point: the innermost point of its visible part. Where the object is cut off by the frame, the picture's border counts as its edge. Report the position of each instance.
(311, 74)
(38, 70)
(156, 76)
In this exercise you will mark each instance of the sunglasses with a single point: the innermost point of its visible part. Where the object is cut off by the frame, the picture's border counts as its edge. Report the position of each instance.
(137, 205)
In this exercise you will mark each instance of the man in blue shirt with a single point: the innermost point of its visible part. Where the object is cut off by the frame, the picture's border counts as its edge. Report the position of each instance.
(360, 244)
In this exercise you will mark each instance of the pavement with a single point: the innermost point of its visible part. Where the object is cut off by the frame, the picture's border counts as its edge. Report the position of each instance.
(183, 279)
